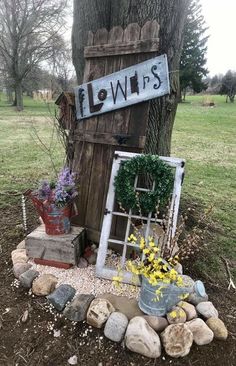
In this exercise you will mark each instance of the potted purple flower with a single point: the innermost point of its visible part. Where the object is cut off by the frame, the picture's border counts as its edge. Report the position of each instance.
(53, 201)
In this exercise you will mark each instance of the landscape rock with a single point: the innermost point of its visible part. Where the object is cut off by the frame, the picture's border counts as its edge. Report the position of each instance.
(187, 281)
(207, 310)
(21, 245)
(92, 258)
(127, 306)
(141, 338)
(116, 326)
(189, 309)
(73, 360)
(61, 296)
(176, 315)
(196, 299)
(202, 334)
(179, 268)
(82, 263)
(19, 256)
(27, 277)
(177, 340)
(218, 328)
(44, 285)
(156, 322)
(77, 310)
(20, 268)
(98, 312)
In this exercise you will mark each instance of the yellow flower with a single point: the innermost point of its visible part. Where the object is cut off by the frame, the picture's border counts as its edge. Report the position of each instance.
(165, 267)
(156, 249)
(132, 238)
(117, 278)
(151, 244)
(173, 314)
(151, 257)
(146, 251)
(142, 245)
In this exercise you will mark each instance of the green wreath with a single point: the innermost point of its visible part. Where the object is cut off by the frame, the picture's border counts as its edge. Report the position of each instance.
(157, 170)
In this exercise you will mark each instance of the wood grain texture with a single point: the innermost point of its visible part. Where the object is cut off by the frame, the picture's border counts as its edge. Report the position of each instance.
(62, 248)
(134, 47)
(97, 138)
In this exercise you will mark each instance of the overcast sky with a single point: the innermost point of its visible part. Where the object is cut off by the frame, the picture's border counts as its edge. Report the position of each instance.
(220, 16)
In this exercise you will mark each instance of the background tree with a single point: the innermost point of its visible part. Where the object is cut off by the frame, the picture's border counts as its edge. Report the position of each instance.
(229, 86)
(193, 58)
(28, 30)
(92, 15)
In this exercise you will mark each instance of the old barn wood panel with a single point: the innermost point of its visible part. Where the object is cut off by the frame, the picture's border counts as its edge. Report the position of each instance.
(97, 137)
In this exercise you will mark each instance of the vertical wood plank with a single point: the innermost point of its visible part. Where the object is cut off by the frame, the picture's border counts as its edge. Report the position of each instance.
(93, 161)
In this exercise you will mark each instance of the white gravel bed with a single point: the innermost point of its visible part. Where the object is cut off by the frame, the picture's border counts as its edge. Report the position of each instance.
(85, 282)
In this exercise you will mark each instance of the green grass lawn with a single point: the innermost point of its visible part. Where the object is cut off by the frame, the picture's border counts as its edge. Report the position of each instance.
(23, 159)
(204, 136)
(31, 108)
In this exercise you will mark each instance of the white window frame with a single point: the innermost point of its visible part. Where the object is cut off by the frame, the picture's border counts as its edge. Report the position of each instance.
(127, 277)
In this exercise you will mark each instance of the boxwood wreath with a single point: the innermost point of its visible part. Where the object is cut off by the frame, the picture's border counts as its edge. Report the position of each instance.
(157, 170)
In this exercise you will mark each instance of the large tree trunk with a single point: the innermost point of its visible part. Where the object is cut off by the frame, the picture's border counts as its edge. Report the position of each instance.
(170, 14)
(19, 97)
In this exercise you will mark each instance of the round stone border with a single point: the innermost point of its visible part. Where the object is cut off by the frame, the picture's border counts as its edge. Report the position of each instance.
(192, 321)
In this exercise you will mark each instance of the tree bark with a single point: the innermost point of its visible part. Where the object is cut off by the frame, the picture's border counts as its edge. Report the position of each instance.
(171, 15)
(19, 97)
(9, 96)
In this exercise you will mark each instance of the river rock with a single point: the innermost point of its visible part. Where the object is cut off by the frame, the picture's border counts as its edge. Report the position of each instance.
(116, 326)
(19, 256)
(196, 299)
(123, 304)
(179, 268)
(176, 315)
(189, 309)
(156, 322)
(61, 296)
(20, 268)
(77, 310)
(141, 338)
(92, 258)
(21, 245)
(187, 281)
(44, 285)
(27, 277)
(177, 340)
(98, 312)
(82, 263)
(218, 328)
(207, 310)
(202, 334)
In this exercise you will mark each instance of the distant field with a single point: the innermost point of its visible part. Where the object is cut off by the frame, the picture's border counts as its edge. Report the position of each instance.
(204, 136)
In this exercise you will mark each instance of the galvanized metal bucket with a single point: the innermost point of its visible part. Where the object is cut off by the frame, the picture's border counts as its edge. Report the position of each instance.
(171, 295)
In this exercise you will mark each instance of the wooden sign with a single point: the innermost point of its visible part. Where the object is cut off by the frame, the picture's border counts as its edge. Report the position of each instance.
(135, 84)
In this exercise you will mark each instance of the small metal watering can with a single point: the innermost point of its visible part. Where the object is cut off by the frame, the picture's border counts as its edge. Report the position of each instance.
(56, 220)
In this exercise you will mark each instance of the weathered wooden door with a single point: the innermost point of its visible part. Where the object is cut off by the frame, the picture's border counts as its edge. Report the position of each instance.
(98, 137)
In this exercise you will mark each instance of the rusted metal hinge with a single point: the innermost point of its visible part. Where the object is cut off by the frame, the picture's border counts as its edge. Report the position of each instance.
(106, 211)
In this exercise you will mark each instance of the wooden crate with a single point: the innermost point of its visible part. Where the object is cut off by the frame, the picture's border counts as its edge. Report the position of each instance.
(66, 248)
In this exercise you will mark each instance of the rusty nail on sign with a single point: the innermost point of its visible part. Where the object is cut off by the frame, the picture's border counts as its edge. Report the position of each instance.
(135, 84)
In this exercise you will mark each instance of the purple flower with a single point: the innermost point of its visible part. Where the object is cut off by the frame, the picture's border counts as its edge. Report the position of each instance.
(44, 190)
(61, 192)
(65, 187)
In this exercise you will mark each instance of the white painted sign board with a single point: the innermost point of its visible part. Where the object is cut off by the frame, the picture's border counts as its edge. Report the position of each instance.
(135, 84)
